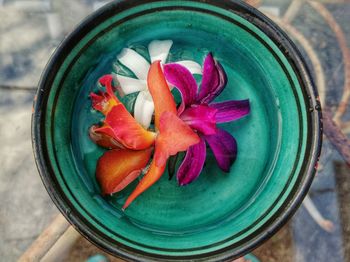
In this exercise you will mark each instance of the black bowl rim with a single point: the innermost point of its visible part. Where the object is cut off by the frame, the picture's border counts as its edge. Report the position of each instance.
(293, 56)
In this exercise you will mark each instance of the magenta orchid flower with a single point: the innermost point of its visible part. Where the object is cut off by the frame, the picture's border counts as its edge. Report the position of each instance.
(202, 114)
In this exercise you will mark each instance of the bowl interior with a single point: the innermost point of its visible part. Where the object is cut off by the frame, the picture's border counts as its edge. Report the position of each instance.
(219, 209)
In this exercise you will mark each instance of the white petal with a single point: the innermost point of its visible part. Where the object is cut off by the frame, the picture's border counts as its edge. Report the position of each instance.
(159, 50)
(135, 62)
(193, 66)
(144, 108)
(131, 85)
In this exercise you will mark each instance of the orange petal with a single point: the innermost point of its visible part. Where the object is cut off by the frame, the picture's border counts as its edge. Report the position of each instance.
(107, 81)
(104, 137)
(124, 128)
(159, 89)
(118, 168)
(120, 128)
(175, 136)
(104, 101)
(154, 173)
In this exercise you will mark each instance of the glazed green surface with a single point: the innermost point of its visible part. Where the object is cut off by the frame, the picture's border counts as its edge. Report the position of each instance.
(218, 209)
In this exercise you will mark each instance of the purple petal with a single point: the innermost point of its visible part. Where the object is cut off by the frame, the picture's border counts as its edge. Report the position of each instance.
(192, 165)
(214, 80)
(201, 118)
(231, 110)
(224, 147)
(180, 77)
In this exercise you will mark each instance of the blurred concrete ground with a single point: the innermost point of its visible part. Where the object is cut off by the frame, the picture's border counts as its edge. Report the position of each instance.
(25, 208)
(29, 32)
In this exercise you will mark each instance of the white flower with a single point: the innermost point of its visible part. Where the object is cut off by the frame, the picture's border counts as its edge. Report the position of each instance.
(158, 50)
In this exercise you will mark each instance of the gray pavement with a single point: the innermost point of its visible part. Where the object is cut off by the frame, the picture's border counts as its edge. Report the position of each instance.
(25, 207)
(29, 33)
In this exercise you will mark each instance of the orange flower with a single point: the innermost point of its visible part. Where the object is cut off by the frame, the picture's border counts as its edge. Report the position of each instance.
(174, 135)
(119, 167)
(119, 126)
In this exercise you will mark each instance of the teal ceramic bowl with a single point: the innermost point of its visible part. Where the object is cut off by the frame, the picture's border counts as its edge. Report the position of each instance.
(220, 216)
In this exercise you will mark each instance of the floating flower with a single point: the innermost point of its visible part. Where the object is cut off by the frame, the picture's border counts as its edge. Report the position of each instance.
(158, 50)
(174, 134)
(119, 167)
(187, 128)
(119, 127)
(201, 114)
